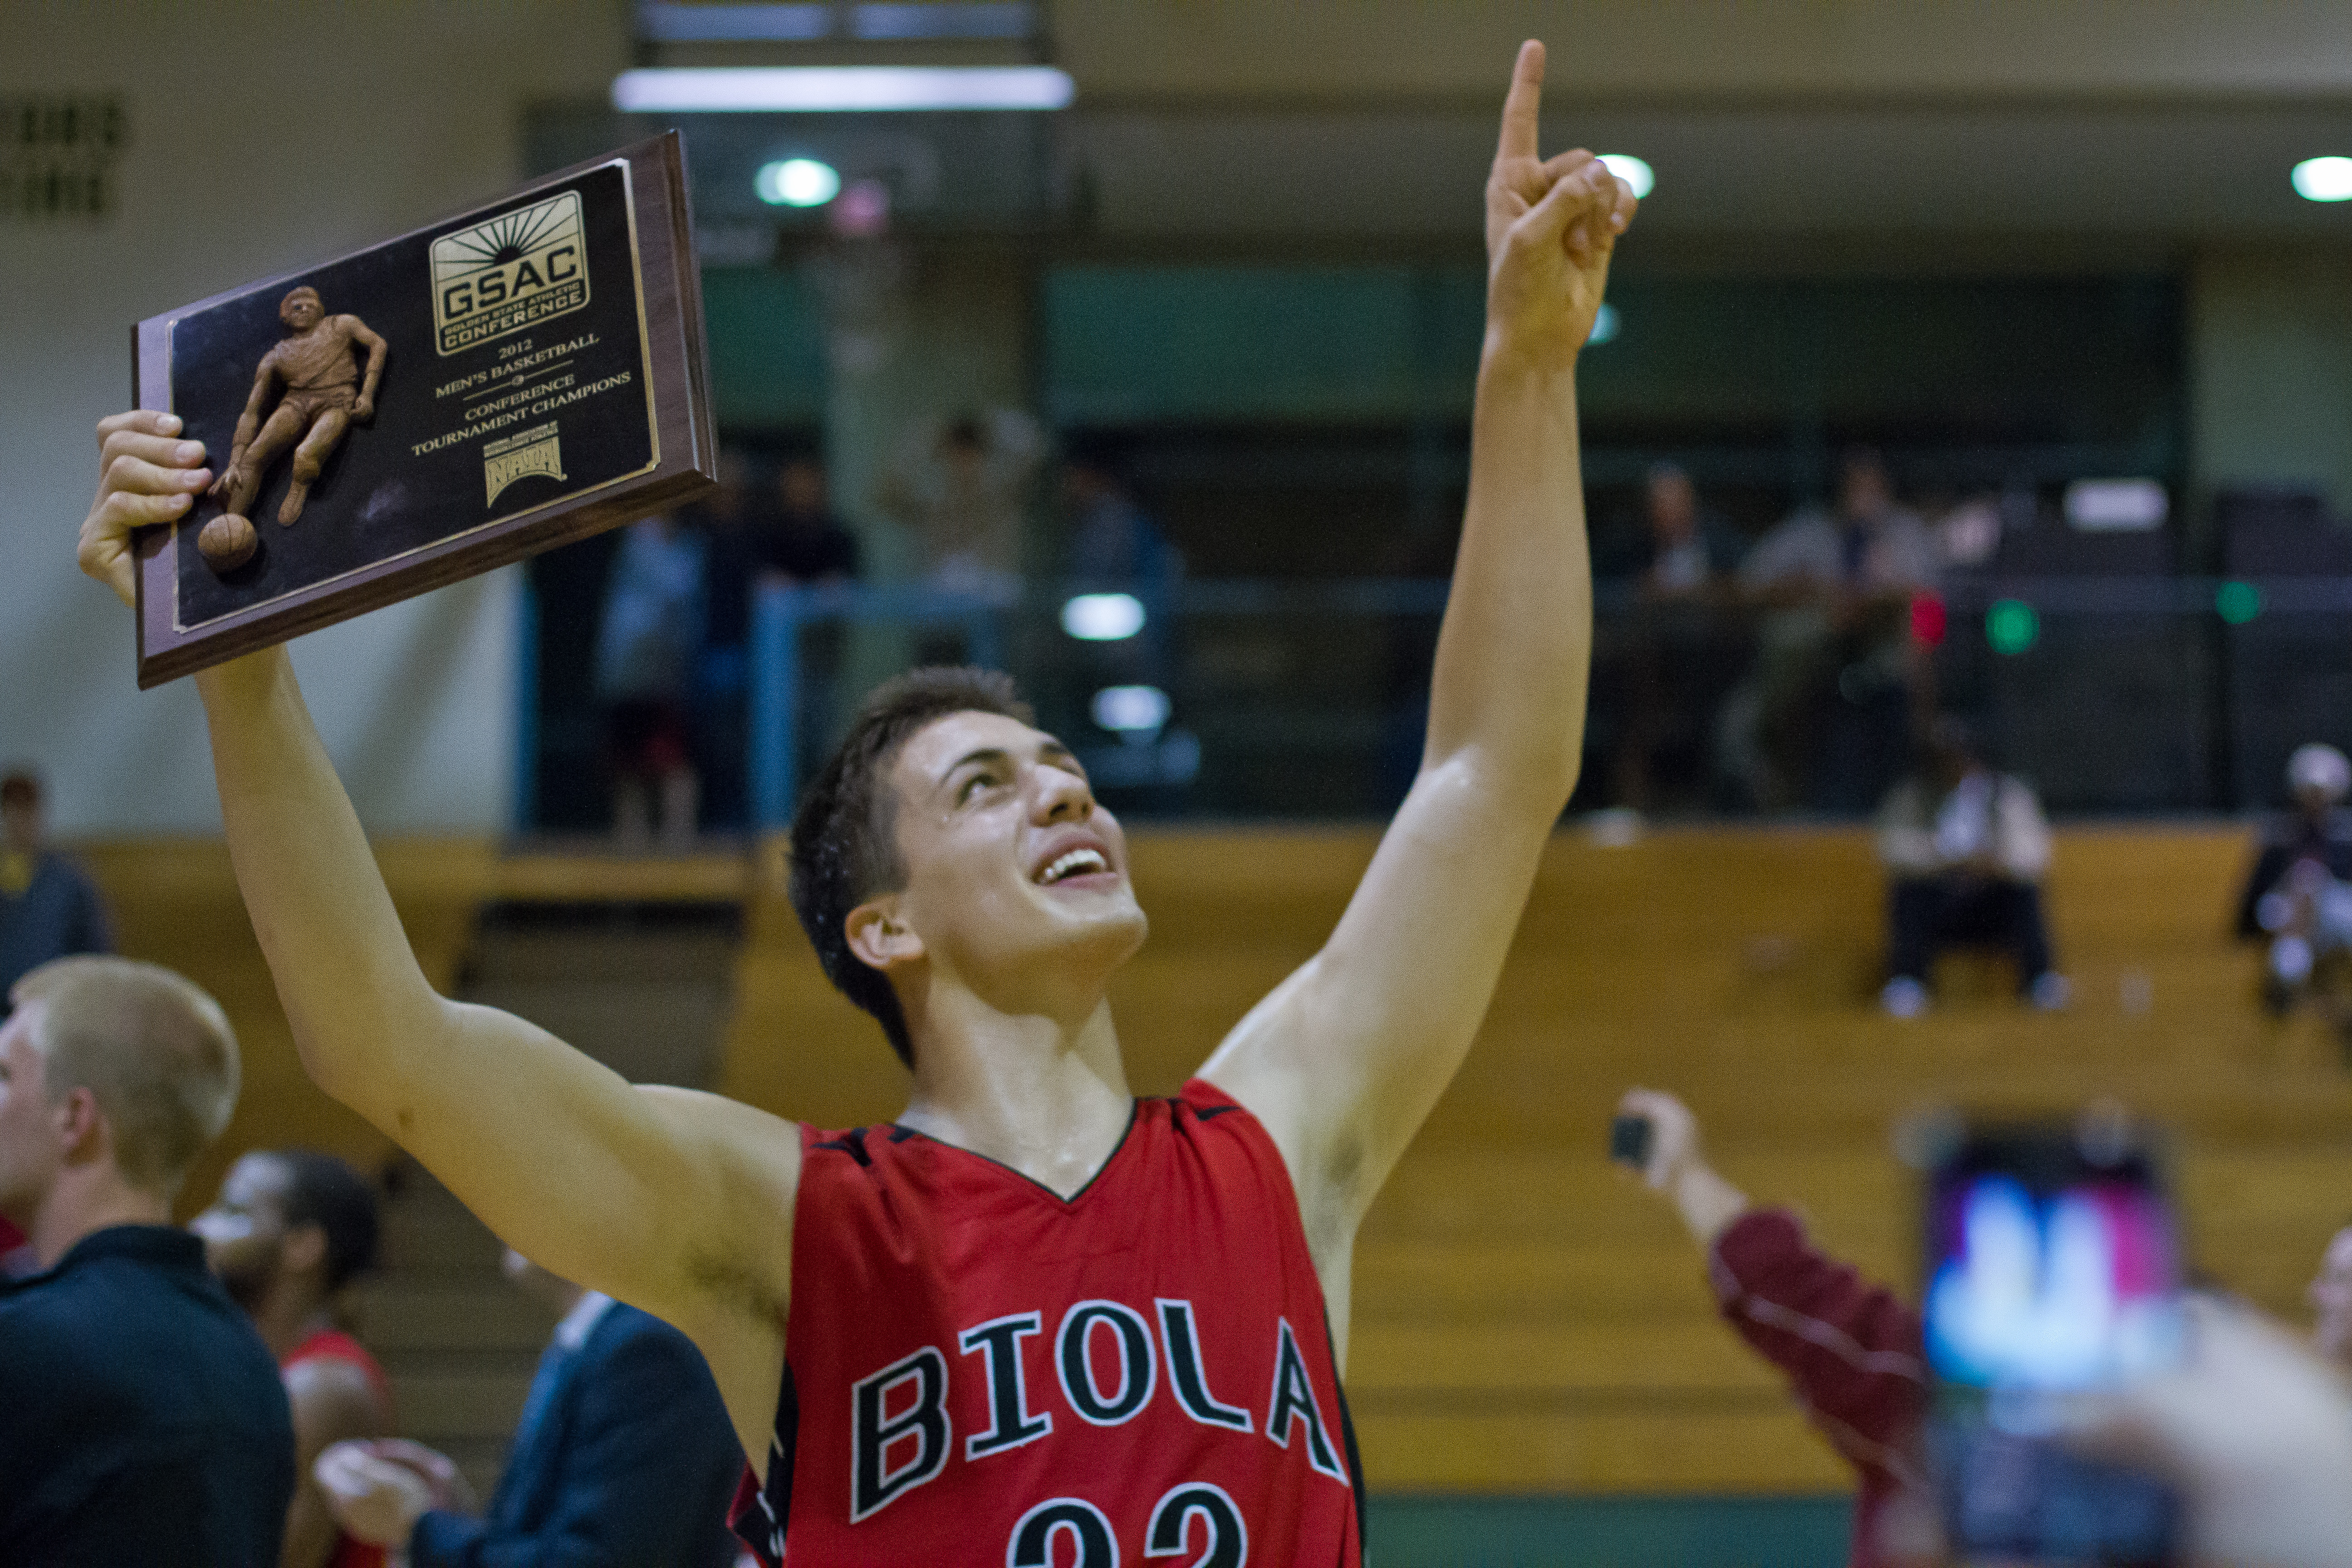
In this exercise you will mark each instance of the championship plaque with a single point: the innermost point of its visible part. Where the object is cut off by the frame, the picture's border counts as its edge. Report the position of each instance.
(478, 391)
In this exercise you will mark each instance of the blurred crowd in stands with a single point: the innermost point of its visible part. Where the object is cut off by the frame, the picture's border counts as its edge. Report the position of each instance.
(674, 626)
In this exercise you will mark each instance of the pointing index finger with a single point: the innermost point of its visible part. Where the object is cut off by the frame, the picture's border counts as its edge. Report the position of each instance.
(1521, 106)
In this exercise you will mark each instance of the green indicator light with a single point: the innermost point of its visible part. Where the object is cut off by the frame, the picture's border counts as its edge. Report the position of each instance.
(2011, 625)
(2238, 602)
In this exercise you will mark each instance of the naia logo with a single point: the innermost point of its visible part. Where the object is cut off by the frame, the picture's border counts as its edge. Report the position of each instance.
(1109, 1363)
(515, 271)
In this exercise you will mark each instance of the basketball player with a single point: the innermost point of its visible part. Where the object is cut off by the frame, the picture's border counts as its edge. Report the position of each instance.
(1033, 1320)
(289, 1230)
(322, 391)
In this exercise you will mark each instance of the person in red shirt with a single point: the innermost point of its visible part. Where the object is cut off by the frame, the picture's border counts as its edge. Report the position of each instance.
(289, 1229)
(1033, 1319)
(15, 1251)
(1852, 1349)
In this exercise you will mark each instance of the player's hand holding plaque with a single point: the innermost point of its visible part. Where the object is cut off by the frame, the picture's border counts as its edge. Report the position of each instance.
(462, 396)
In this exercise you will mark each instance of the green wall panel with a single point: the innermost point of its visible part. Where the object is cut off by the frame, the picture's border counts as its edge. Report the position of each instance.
(767, 346)
(1610, 1532)
(2089, 361)
(1140, 344)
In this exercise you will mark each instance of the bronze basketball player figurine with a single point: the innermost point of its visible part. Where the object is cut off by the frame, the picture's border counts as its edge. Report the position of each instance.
(322, 393)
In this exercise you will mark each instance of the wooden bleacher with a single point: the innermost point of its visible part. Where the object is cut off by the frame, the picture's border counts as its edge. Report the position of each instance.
(1525, 1319)
(175, 901)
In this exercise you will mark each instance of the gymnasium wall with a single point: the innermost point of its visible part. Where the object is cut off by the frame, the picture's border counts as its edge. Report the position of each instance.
(261, 137)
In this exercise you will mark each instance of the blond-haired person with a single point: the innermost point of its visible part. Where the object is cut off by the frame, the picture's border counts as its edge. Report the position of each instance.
(142, 1419)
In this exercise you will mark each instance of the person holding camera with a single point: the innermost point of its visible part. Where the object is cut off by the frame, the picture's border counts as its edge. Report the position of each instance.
(2254, 1427)
(1852, 1349)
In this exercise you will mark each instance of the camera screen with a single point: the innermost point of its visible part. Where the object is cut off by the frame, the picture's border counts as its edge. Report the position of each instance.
(2070, 1290)
(2044, 1277)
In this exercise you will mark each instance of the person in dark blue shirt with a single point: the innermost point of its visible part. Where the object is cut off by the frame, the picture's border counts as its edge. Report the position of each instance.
(624, 1457)
(48, 906)
(142, 1419)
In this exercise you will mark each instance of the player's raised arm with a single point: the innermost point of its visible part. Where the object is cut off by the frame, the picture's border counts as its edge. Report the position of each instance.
(1345, 1060)
(676, 1201)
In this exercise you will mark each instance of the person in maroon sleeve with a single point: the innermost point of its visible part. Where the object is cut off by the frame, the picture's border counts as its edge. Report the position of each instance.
(1852, 1349)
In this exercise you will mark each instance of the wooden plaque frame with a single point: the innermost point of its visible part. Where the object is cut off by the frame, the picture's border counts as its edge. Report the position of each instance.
(354, 580)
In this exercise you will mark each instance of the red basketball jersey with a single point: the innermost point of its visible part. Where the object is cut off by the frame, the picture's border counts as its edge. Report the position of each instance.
(333, 1345)
(978, 1370)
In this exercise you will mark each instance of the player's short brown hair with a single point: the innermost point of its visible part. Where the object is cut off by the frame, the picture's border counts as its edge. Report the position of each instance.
(843, 851)
(156, 1053)
(296, 293)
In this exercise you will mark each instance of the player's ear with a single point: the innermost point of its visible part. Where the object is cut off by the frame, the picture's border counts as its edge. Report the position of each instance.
(879, 935)
(306, 1246)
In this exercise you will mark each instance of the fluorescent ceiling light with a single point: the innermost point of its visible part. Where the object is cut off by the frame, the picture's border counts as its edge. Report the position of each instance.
(2324, 179)
(666, 22)
(1637, 175)
(669, 21)
(1103, 617)
(797, 183)
(1131, 710)
(935, 20)
(824, 90)
(2116, 506)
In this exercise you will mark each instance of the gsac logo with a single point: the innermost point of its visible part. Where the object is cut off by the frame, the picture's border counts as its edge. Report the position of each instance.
(517, 269)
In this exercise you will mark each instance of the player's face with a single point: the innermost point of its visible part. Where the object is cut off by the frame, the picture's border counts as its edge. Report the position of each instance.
(1007, 856)
(303, 312)
(244, 1232)
(31, 1148)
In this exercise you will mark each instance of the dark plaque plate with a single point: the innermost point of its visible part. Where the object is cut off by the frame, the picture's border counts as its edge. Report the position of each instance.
(537, 373)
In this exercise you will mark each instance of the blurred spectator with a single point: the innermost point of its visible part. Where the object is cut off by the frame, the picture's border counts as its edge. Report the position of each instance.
(1852, 1350)
(623, 1455)
(289, 1230)
(802, 542)
(1678, 548)
(802, 545)
(1836, 589)
(2298, 895)
(2314, 828)
(142, 1419)
(1678, 558)
(1969, 532)
(646, 645)
(1114, 544)
(729, 522)
(1115, 547)
(963, 490)
(2309, 917)
(48, 905)
(1965, 848)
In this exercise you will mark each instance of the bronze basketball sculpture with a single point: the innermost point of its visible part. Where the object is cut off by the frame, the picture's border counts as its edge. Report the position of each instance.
(321, 390)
